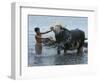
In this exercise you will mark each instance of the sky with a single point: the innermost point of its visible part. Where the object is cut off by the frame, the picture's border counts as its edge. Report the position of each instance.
(45, 22)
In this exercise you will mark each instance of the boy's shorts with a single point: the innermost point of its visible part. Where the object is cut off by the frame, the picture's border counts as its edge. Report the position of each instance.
(38, 49)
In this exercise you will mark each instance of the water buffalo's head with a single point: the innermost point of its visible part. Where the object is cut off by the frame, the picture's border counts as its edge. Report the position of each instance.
(56, 29)
(61, 33)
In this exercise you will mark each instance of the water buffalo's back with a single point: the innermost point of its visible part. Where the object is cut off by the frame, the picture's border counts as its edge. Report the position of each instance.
(77, 34)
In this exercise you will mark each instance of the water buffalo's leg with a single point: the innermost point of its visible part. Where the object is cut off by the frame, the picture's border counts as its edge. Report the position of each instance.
(64, 51)
(80, 50)
(58, 50)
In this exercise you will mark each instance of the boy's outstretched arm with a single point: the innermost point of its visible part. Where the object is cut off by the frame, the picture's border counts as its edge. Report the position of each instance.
(46, 32)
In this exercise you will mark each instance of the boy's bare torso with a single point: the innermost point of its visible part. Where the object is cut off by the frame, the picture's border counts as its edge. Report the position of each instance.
(38, 39)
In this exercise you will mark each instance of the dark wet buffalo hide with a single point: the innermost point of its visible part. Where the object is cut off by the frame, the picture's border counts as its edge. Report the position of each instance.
(69, 39)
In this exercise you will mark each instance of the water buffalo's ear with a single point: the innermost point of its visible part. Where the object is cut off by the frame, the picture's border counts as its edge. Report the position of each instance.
(52, 28)
(60, 27)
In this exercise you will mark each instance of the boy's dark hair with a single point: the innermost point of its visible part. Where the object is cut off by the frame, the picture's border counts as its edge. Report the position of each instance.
(37, 29)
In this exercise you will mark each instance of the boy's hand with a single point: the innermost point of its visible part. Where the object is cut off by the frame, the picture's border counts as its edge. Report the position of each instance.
(47, 38)
(51, 28)
(50, 38)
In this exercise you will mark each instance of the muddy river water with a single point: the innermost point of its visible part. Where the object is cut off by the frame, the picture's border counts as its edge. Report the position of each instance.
(50, 57)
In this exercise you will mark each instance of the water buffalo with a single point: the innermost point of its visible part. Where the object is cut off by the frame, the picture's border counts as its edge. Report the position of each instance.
(68, 39)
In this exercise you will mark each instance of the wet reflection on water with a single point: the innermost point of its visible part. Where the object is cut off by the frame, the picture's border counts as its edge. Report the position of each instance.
(51, 58)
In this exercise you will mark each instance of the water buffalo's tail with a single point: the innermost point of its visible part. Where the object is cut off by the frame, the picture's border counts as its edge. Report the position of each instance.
(86, 42)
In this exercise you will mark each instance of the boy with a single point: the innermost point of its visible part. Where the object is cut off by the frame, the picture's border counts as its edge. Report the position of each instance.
(38, 45)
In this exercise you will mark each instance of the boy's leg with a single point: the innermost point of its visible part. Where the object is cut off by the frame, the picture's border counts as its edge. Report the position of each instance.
(38, 49)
